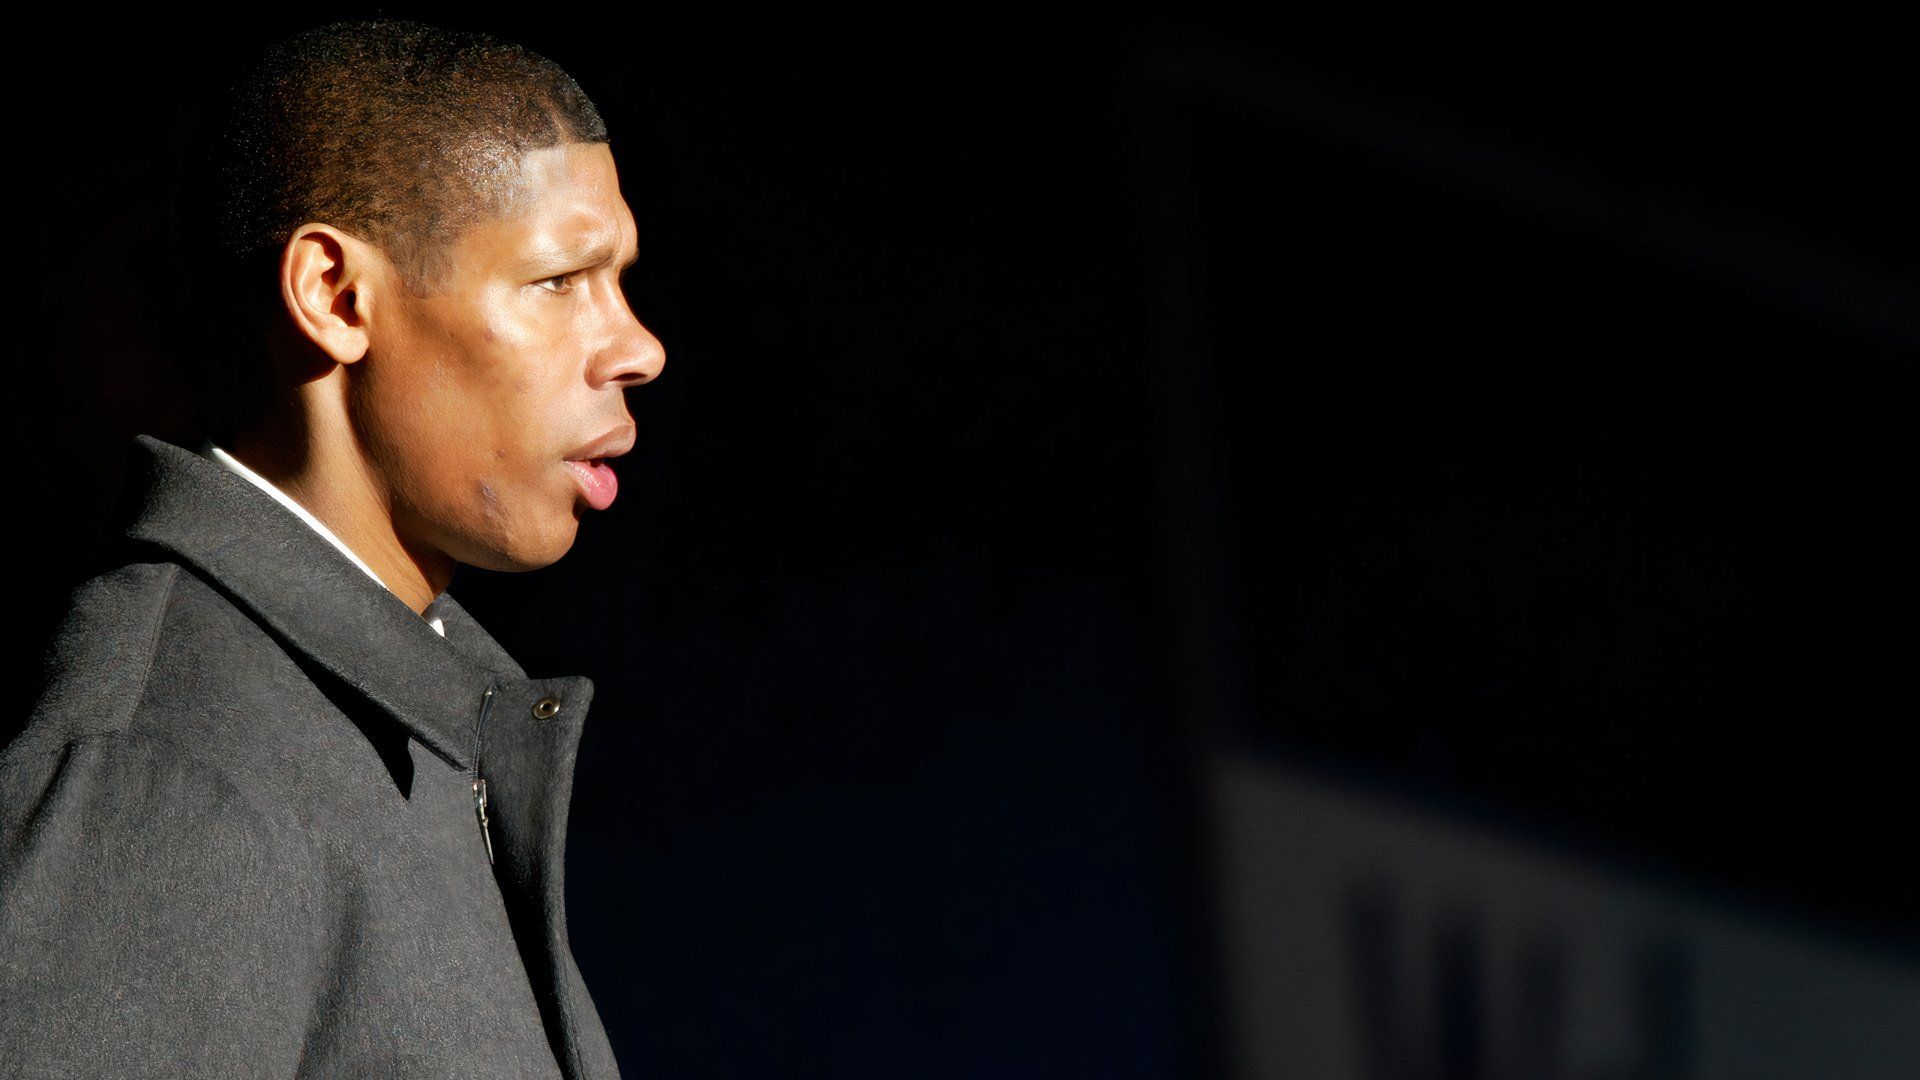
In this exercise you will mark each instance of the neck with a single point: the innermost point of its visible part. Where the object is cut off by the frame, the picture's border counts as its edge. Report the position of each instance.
(321, 466)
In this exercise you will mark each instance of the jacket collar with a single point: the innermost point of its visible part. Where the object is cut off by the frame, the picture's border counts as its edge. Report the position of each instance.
(309, 593)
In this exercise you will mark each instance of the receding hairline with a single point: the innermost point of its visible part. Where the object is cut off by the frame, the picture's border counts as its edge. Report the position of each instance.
(400, 134)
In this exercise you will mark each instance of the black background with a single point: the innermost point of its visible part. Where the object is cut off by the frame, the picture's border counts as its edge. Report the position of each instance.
(1513, 419)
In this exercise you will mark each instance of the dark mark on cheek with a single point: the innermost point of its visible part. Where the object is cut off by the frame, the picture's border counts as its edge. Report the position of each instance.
(490, 502)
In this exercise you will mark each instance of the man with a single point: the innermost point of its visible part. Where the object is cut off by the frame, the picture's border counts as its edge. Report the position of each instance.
(283, 808)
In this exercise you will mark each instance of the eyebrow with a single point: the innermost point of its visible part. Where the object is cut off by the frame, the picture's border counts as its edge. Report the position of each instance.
(595, 252)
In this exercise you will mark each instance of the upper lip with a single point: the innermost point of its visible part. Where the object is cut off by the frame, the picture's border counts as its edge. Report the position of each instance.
(611, 445)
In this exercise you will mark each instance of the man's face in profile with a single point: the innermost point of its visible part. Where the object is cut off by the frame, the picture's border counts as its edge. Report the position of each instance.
(478, 396)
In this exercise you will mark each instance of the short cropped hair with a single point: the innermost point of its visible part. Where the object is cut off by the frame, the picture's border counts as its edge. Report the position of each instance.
(397, 133)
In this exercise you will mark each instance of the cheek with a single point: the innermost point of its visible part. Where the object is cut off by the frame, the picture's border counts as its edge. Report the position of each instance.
(478, 378)
(490, 398)
(506, 360)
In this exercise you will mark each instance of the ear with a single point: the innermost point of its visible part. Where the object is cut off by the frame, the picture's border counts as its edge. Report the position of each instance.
(327, 281)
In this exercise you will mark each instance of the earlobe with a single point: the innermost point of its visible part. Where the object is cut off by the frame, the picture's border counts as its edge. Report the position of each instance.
(324, 275)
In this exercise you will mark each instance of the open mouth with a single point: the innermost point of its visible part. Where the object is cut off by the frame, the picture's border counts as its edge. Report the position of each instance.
(596, 480)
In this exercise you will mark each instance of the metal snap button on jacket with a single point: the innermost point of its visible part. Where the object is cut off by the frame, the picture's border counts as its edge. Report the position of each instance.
(546, 707)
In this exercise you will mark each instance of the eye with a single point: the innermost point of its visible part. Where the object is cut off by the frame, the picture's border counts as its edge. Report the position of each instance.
(559, 283)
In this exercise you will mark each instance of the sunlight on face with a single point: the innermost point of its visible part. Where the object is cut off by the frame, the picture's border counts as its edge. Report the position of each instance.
(472, 400)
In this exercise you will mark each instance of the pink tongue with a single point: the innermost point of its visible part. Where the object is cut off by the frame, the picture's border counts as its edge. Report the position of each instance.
(600, 483)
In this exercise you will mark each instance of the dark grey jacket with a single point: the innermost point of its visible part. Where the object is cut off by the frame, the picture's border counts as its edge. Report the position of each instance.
(239, 835)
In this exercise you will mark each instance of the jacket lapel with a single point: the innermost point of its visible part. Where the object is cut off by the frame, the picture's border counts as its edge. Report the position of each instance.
(294, 581)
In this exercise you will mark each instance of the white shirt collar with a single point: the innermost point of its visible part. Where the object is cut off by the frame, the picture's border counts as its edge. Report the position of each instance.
(208, 449)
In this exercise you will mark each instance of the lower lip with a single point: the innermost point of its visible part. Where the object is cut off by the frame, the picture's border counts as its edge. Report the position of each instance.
(596, 481)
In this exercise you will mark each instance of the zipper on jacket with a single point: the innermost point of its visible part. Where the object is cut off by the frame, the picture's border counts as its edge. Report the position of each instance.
(480, 782)
(480, 807)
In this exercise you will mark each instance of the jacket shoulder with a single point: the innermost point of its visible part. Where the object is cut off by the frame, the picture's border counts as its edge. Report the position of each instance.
(94, 669)
(156, 651)
(99, 750)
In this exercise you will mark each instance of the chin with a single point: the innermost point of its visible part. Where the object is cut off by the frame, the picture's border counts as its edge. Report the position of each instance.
(530, 550)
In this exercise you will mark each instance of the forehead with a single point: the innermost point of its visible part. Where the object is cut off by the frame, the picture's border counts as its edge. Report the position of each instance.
(562, 204)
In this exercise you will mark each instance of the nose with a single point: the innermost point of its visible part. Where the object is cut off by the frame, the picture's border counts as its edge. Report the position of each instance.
(632, 355)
